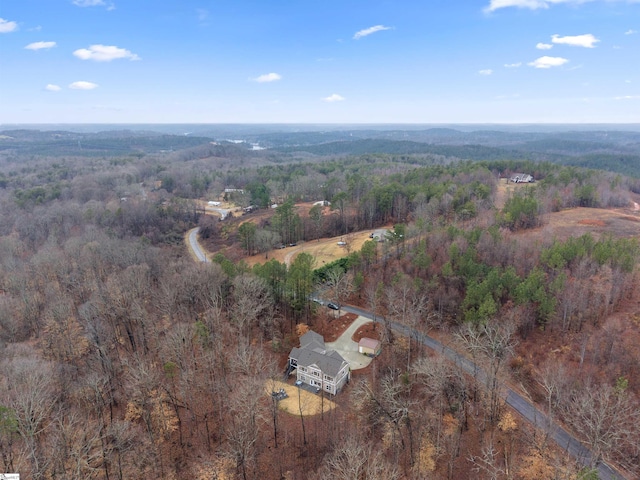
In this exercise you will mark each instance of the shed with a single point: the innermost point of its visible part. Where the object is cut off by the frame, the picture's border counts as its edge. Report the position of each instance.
(369, 346)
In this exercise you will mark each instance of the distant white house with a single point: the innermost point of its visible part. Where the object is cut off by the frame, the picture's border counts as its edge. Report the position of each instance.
(521, 178)
(323, 203)
(214, 204)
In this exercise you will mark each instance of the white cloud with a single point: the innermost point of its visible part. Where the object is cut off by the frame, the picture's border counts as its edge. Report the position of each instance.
(513, 65)
(40, 45)
(369, 31)
(268, 77)
(203, 14)
(548, 62)
(544, 46)
(52, 88)
(505, 97)
(630, 32)
(6, 26)
(628, 97)
(104, 53)
(486, 71)
(333, 98)
(89, 3)
(531, 4)
(82, 85)
(535, 4)
(587, 40)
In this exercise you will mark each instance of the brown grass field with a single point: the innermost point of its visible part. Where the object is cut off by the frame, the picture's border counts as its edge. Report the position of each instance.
(574, 222)
(310, 403)
(325, 251)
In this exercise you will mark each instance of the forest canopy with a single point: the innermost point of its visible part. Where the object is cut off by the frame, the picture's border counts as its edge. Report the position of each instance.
(123, 357)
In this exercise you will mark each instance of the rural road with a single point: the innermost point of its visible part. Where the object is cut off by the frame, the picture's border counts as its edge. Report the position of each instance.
(223, 212)
(512, 398)
(192, 240)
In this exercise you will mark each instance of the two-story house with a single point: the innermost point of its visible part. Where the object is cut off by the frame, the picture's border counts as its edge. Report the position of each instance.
(317, 366)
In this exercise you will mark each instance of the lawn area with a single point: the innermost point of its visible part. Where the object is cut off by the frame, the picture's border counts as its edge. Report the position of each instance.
(311, 404)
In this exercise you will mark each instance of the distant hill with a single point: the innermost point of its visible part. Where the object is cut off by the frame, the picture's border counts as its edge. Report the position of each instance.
(601, 148)
(58, 143)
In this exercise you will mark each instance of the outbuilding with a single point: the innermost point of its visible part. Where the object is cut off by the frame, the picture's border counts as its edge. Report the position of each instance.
(369, 346)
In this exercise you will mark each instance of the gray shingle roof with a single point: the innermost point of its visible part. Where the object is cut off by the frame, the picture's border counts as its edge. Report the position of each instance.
(312, 351)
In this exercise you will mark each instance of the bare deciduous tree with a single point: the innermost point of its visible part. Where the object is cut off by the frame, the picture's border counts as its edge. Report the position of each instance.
(607, 419)
(246, 414)
(495, 343)
(32, 396)
(252, 300)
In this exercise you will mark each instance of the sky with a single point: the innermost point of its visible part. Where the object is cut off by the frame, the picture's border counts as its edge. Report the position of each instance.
(305, 61)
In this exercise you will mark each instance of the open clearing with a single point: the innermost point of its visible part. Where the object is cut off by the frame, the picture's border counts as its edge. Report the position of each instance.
(506, 189)
(310, 403)
(325, 251)
(574, 222)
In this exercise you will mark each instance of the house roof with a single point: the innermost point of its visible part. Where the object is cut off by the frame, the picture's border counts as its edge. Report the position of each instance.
(521, 175)
(312, 352)
(369, 343)
(312, 340)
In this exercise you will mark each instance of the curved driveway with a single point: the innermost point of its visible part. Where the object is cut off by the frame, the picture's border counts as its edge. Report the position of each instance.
(348, 348)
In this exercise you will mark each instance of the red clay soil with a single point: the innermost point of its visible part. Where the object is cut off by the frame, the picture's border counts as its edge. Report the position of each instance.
(331, 328)
(593, 223)
(368, 330)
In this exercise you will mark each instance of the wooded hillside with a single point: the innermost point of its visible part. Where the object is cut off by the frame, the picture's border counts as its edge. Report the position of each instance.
(123, 357)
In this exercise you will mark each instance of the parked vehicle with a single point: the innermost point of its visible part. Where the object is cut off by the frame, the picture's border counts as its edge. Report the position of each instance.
(333, 306)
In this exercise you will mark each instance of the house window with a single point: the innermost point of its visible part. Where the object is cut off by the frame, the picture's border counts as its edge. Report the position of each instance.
(328, 378)
(317, 374)
(327, 387)
(303, 369)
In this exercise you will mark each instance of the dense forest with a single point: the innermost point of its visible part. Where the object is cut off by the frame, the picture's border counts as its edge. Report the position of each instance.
(123, 357)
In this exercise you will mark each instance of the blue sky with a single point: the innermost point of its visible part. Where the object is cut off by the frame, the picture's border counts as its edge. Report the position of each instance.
(304, 61)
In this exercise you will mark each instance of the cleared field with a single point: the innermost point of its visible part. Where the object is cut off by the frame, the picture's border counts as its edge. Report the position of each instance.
(311, 404)
(573, 222)
(506, 189)
(598, 221)
(325, 251)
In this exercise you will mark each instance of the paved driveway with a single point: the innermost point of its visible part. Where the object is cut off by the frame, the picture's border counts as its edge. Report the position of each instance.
(348, 348)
